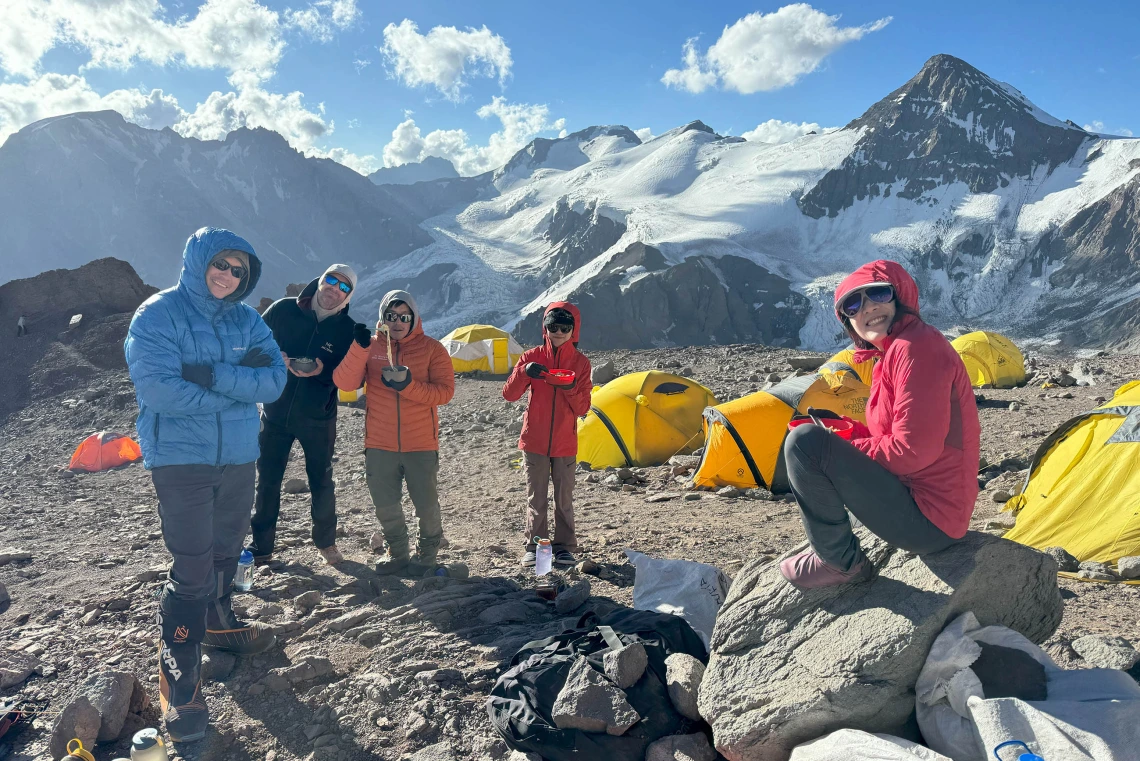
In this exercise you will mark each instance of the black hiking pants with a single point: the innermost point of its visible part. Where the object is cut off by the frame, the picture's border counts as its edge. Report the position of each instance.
(829, 477)
(318, 440)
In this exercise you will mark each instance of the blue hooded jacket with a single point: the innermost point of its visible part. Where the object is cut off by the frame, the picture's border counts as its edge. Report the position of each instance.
(179, 422)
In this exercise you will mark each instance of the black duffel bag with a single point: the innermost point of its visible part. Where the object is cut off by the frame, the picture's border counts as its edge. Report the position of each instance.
(523, 697)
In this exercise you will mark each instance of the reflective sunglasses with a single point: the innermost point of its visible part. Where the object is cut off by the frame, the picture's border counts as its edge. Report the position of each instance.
(395, 317)
(880, 294)
(235, 270)
(559, 328)
(330, 280)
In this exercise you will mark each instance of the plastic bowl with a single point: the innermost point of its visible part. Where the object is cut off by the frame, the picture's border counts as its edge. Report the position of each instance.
(559, 378)
(841, 428)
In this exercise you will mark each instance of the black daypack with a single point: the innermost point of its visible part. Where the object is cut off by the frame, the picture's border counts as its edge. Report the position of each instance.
(521, 700)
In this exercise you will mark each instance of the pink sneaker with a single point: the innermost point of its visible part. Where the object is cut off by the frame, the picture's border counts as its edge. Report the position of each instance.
(807, 571)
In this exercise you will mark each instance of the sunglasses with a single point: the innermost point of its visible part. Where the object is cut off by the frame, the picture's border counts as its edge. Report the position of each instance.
(559, 328)
(880, 294)
(396, 317)
(330, 280)
(237, 271)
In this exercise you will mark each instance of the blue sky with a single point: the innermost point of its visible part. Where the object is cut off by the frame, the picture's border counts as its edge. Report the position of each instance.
(315, 70)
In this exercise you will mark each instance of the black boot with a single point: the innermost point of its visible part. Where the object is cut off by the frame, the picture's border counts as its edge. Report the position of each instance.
(393, 563)
(225, 631)
(182, 625)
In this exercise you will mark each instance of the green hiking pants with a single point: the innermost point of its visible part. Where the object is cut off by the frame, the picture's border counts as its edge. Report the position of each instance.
(386, 473)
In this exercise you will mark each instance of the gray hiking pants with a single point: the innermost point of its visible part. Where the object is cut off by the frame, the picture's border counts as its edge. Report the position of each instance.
(386, 473)
(540, 472)
(829, 477)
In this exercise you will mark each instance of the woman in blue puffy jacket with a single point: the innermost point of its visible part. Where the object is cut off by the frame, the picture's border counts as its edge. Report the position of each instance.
(201, 361)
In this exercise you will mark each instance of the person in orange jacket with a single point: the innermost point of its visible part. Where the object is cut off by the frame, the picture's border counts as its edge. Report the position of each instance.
(549, 438)
(401, 429)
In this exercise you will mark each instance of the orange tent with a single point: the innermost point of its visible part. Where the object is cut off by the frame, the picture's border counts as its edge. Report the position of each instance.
(103, 450)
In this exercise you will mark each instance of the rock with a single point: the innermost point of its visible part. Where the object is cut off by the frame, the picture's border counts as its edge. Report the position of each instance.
(91, 617)
(588, 566)
(625, 666)
(788, 666)
(518, 755)
(438, 752)
(15, 668)
(310, 667)
(685, 460)
(78, 719)
(351, 620)
(1064, 380)
(376, 541)
(664, 496)
(572, 597)
(683, 675)
(1014, 407)
(1001, 497)
(1092, 569)
(1107, 652)
(442, 677)
(1065, 561)
(624, 474)
(774, 378)
(728, 492)
(810, 364)
(371, 637)
(217, 665)
(590, 702)
(306, 601)
(13, 555)
(1001, 523)
(693, 747)
(313, 731)
(1128, 568)
(295, 486)
(99, 710)
(602, 374)
(5, 599)
(506, 613)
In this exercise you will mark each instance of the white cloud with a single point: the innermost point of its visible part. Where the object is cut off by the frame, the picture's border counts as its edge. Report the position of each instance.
(250, 106)
(776, 131)
(365, 165)
(763, 52)
(520, 123)
(645, 134)
(361, 64)
(444, 57)
(323, 18)
(1098, 127)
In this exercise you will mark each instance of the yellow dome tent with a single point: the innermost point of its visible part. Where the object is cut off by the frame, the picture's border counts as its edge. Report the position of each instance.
(352, 396)
(1083, 489)
(744, 438)
(642, 419)
(991, 359)
(482, 348)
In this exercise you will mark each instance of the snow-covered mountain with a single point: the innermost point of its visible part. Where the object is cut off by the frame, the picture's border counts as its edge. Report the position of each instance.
(431, 168)
(1009, 218)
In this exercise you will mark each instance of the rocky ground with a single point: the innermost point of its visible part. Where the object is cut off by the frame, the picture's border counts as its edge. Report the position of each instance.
(373, 667)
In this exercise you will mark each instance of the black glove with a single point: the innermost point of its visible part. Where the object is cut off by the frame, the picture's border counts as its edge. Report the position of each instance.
(203, 375)
(535, 370)
(823, 414)
(362, 335)
(255, 358)
(398, 386)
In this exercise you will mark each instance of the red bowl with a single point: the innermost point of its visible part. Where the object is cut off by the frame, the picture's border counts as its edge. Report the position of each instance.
(841, 428)
(559, 377)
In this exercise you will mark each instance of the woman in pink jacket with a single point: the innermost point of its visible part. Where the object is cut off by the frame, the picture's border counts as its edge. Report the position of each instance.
(911, 474)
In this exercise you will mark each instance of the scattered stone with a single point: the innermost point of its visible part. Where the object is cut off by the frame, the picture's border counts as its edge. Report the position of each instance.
(1065, 561)
(1128, 568)
(506, 613)
(149, 575)
(13, 555)
(1001, 496)
(683, 675)
(273, 681)
(295, 486)
(692, 496)
(217, 665)
(602, 374)
(625, 474)
(351, 620)
(810, 364)
(728, 492)
(1001, 523)
(1091, 569)
(1107, 652)
(588, 566)
(5, 599)
(91, 617)
(438, 752)
(15, 668)
(376, 541)
(664, 496)
(415, 667)
(1064, 380)
(774, 378)
(310, 667)
(1014, 406)
(442, 677)
(590, 702)
(106, 707)
(415, 724)
(306, 601)
(78, 719)
(572, 597)
(625, 666)
(788, 666)
(693, 747)
(313, 731)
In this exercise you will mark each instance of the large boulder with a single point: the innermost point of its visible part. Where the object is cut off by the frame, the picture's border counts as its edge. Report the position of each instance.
(789, 666)
(107, 706)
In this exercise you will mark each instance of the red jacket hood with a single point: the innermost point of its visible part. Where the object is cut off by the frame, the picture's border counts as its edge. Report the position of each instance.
(880, 271)
(573, 310)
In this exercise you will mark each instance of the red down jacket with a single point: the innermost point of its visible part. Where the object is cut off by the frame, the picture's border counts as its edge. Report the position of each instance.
(921, 415)
(550, 425)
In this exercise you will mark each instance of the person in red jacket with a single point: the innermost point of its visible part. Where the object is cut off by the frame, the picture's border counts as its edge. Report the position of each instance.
(549, 438)
(910, 474)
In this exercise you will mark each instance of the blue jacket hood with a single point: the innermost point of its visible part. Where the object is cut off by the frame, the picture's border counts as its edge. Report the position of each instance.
(201, 248)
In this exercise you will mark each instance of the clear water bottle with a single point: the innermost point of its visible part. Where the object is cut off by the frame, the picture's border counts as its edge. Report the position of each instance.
(243, 579)
(544, 555)
(1028, 755)
(147, 745)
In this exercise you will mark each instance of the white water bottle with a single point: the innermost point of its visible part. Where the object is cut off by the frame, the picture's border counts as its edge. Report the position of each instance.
(544, 555)
(147, 745)
(243, 579)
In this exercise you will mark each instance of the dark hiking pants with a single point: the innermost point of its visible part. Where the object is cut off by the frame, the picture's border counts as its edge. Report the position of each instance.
(540, 472)
(386, 473)
(317, 440)
(829, 477)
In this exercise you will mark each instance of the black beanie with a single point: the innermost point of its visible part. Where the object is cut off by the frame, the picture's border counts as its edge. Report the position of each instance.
(558, 317)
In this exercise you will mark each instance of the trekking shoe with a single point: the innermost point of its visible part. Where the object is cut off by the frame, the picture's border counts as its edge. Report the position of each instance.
(391, 565)
(564, 558)
(807, 571)
(179, 691)
(529, 559)
(331, 554)
(260, 560)
(418, 566)
(224, 631)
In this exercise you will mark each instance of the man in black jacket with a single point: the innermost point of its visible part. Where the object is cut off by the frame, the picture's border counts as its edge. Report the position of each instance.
(313, 326)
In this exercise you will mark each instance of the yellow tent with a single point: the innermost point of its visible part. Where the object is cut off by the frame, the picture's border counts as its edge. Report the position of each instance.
(642, 419)
(744, 438)
(485, 348)
(991, 359)
(352, 396)
(1083, 489)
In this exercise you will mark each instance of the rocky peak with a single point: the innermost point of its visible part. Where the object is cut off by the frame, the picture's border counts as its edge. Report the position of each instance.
(949, 123)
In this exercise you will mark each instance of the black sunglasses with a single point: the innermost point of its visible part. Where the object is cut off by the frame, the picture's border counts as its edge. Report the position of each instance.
(237, 271)
(330, 280)
(880, 294)
(559, 328)
(396, 317)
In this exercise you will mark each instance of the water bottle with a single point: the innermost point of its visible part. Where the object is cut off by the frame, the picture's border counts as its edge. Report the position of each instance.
(243, 579)
(147, 745)
(544, 555)
(1028, 755)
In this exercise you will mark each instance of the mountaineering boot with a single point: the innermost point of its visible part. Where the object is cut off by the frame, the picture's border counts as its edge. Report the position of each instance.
(808, 571)
(182, 625)
(421, 565)
(392, 564)
(225, 631)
